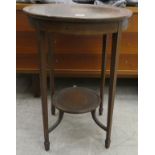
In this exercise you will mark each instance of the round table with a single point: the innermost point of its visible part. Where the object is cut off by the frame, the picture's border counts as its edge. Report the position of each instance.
(77, 19)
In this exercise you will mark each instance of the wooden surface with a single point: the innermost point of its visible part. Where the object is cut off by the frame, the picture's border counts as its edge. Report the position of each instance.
(70, 49)
(77, 19)
(76, 100)
(20, 6)
(77, 13)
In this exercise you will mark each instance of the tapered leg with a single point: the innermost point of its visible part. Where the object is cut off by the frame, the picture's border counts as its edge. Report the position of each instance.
(51, 63)
(52, 93)
(43, 86)
(103, 72)
(113, 77)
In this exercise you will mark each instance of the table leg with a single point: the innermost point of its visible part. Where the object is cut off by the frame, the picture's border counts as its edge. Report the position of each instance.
(43, 85)
(112, 88)
(52, 93)
(51, 62)
(103, 72)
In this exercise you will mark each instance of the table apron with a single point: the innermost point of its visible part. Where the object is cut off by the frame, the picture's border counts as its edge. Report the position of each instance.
(75, 28)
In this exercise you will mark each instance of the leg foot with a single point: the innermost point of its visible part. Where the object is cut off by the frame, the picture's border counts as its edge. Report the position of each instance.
(47, 145)
(100, 111)
(53, 110)
(107, 143)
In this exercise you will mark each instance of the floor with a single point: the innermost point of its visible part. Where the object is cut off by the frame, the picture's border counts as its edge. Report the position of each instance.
(77, 134)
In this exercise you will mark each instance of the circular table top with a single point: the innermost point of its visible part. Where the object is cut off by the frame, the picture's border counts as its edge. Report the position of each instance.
(77, 12)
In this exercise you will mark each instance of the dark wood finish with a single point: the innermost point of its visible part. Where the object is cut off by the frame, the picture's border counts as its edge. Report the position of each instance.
(43, 85)
(113, 78)
(93, 113)
(51, 63)
(60, 117)
(103, 72)
(62, 19)
(76, 100)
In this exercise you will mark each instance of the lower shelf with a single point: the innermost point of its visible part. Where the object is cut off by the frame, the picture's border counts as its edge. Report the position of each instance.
(76, 100)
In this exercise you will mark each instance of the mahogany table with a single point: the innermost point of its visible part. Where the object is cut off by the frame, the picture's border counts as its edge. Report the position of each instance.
(77, 19)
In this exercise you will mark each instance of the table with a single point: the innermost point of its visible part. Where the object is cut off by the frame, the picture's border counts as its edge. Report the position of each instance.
(77, 19)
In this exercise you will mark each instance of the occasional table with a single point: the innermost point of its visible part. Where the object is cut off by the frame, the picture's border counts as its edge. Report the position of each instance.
(77, 19)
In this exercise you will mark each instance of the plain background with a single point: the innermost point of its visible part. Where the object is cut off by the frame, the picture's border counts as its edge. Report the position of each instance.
(146, 77)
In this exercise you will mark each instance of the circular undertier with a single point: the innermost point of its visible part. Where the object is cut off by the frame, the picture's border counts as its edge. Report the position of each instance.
(76, 100)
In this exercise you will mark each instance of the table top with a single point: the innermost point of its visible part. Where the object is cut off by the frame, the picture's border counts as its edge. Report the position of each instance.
(77, 12)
